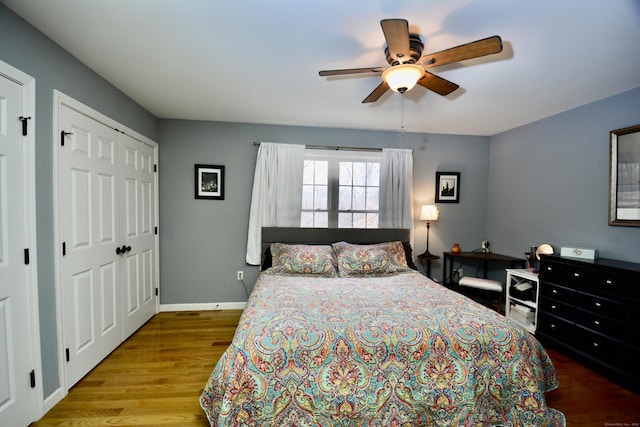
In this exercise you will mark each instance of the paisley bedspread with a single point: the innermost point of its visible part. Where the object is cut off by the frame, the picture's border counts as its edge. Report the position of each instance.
(377, 351)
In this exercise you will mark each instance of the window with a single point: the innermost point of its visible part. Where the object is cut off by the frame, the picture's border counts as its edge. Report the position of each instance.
(340, 189)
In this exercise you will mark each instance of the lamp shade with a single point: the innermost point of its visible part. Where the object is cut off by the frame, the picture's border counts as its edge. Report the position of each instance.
(403, 77)
(429, 213)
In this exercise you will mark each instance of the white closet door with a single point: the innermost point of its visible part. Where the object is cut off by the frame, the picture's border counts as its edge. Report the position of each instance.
(17, 354)
(91, 292)
(137, 198)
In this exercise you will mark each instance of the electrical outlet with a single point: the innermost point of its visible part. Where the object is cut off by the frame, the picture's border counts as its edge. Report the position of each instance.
(460, 273)
(240, 275)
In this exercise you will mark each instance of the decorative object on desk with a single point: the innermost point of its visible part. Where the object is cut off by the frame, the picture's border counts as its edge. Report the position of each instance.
(456, 249)
(209, 182)
(486, 247)
(429, 213)
(624, 191)
(447, 187)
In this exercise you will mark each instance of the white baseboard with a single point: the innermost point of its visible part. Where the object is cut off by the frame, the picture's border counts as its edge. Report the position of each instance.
(203, 306)
(53, 399)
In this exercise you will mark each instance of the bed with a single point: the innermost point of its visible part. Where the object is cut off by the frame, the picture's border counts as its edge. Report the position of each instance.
(369, 341)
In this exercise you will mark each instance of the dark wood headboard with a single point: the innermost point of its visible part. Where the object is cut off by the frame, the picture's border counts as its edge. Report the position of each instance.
(327, 236)
(319, 236)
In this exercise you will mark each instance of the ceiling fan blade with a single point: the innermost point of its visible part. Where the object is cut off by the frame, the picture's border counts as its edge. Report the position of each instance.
(396, 32)
(437, 84)
(325, 73)
(377, 93)
(471, 50)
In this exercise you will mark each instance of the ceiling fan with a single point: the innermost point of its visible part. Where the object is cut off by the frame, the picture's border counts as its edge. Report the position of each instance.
(407, 65)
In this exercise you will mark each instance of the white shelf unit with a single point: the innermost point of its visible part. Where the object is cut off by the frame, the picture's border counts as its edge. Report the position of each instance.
(522, 306)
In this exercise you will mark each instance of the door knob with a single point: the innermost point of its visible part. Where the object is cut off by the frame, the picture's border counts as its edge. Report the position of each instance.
(123, 249)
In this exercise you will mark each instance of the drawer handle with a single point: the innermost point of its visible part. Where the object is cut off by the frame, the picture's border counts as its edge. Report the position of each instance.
(576, 274)
(549, 269)
(595, 345)
(609, 282)
(598, 305)
(553, 326)
(596, 322)
(554, 291)
(553, 307)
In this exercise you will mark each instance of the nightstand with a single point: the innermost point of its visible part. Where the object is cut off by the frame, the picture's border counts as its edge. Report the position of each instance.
(522, 297)
(425, 259)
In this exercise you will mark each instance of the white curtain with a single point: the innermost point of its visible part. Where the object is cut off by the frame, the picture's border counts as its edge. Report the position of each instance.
(276, 200)
(396, 189)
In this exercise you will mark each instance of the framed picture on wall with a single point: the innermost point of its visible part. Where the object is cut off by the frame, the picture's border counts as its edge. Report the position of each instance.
(624, 177)
(209, 182)
(447, 187)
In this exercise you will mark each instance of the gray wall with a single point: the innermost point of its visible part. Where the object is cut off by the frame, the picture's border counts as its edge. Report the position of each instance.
(549, 182)
(30, 51)
(203, 242)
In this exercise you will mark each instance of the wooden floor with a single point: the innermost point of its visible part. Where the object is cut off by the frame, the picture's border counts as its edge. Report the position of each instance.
(156, 376)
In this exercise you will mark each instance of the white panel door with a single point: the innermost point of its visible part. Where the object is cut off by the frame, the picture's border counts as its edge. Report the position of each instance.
(137, 201)
(17, 397)
(89, 219)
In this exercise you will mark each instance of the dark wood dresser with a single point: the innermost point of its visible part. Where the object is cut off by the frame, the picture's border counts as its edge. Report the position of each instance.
(591, 311)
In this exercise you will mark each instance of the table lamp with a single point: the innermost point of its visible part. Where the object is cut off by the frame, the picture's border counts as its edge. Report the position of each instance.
(429, 213)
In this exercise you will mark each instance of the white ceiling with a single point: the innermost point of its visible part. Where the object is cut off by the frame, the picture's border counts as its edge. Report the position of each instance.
(257, 61)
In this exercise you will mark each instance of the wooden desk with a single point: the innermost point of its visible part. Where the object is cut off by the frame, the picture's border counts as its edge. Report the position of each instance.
(484, 258)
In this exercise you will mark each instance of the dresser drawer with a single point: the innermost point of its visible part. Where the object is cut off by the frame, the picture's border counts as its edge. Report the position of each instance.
(558, 293)
(633, 323)
(605, 349)
(599, 281)
(556, 328)
(601, 306)
(600, 324)
(632, 365)
(552, 272)
(557, 308)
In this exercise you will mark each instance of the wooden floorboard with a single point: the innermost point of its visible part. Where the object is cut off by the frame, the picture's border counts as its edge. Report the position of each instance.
(155, 379)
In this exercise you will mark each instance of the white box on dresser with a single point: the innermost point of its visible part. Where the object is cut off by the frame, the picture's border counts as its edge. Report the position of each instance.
(580, 253)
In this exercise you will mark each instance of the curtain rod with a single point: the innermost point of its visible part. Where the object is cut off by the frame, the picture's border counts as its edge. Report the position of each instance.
(334, 147)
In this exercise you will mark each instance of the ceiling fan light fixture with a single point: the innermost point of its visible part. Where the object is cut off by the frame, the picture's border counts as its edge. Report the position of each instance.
(403, 77)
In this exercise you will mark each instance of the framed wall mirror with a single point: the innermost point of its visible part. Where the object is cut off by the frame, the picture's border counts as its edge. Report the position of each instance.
(624, 190)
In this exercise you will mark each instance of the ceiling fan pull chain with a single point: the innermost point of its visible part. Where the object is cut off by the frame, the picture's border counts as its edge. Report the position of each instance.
(401, 114)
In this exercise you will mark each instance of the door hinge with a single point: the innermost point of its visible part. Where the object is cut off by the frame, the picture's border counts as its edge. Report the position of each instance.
(156, 230)
(62, 135)
(155, 168)
(26, 256)
(64, 248)
(24, 124)
(32, 378)
(66, 350)
(156, 291)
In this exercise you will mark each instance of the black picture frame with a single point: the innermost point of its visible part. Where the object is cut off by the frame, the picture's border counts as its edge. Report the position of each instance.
(209, 182)
(447, 187)
(624, 186)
